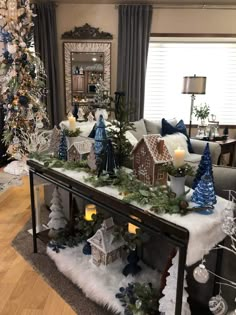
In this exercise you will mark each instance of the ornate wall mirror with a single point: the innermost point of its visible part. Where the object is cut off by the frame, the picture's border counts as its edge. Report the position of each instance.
(85, 63)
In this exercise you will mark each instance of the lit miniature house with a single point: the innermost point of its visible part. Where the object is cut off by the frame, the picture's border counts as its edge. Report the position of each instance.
(149, 155)
(104, 249)
(79, 150)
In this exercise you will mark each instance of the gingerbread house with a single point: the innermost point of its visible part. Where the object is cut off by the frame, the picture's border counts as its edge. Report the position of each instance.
(104, 249)
(80, 149)
(149, 155)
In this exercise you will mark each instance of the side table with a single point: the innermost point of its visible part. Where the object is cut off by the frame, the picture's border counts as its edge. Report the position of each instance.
(227, 146)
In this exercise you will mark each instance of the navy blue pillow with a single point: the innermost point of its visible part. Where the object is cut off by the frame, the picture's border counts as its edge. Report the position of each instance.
(168, 129)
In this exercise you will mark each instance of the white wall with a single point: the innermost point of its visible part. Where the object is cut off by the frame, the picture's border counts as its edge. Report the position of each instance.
(164, 21)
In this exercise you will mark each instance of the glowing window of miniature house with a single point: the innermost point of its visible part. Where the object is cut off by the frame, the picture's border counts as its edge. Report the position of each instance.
(138, 157)
(161, 175)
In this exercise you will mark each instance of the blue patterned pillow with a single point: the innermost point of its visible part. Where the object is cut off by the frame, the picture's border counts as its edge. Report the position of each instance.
(168, 129)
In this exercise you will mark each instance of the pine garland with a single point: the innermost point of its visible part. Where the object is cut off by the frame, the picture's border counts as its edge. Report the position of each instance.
(159, 198)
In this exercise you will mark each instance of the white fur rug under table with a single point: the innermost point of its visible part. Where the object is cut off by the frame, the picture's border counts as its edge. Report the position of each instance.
(99, 284)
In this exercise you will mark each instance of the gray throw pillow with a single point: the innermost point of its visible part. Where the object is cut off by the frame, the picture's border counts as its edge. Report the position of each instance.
(154, 126)
(140, 129)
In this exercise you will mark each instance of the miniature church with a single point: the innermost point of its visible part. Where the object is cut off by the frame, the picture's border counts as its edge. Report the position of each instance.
(149, 155)
(104, 249)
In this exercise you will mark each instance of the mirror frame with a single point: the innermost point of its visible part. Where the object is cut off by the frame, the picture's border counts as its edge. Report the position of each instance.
(73, 47)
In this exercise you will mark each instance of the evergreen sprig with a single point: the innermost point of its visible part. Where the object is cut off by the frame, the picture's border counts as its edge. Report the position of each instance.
(119, 127)
(160, 198)
(71, 133)
(139, 299)
(181, 171)
(132, 241)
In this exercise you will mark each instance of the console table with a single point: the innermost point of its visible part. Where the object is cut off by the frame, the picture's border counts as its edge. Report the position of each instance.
(165, 226)
(227, 146)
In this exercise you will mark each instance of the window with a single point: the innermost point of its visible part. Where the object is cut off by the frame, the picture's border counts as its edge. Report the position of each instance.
(170, 59)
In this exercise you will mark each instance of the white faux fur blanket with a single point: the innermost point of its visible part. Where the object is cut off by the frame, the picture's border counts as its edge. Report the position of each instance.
(99, 284)
(205, 230)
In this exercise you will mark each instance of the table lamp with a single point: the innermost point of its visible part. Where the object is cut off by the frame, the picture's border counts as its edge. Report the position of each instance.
(193, 85)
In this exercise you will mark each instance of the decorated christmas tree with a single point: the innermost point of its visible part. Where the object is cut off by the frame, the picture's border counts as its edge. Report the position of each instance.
(167, 302)
(23, 85)
(204, 193)
(57, 218)
(204, 165)
(101, 97)
(62, 153)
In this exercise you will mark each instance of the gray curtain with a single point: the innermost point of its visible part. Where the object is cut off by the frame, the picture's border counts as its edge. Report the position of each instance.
(45, 37)
(133, 39)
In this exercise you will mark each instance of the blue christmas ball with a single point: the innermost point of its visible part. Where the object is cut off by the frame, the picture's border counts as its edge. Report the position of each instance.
(23, 100)
(6, 54)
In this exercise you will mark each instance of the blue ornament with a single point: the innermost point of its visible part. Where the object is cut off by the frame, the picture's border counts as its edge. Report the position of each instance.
(100, 136)
(23, 100)
(204, 193)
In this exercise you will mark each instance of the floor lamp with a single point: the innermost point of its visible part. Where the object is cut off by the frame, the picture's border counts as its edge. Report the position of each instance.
(193, 85)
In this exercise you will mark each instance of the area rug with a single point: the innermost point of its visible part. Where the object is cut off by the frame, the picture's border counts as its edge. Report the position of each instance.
(8, 180)
(45, 266)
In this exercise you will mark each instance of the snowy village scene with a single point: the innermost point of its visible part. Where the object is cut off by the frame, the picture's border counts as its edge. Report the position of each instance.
(133, 214)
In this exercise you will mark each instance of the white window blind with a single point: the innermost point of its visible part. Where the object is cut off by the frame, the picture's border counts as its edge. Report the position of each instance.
(169, 62)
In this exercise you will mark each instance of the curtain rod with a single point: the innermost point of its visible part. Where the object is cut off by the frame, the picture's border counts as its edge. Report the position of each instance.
(188, 6)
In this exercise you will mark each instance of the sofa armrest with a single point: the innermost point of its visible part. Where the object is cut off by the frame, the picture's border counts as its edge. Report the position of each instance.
(225, 179)
(199, 146)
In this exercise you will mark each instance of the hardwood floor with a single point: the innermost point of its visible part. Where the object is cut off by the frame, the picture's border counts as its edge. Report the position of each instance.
(22, 290)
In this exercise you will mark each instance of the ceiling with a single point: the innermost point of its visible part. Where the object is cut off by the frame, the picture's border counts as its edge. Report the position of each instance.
(157, 2)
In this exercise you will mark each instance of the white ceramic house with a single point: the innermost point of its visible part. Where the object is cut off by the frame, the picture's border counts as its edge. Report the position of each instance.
(104, 249)
(79, 150)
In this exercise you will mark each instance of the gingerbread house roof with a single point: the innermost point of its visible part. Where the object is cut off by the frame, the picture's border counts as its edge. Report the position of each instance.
(83, 145)
(103, 239)
(152, 142)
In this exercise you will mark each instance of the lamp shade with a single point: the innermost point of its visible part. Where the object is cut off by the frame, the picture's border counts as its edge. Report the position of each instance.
(194, 85)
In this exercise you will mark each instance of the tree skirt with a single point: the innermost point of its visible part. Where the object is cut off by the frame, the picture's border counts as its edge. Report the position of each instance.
(7, 180)
(17, 168)
(99, 284)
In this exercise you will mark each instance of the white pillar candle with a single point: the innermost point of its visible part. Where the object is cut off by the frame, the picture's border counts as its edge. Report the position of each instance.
(72, 123)
(178, 159)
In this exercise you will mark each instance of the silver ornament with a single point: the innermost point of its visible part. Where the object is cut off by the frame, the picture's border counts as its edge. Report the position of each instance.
(200, 274)
(218, 305)
(16, 140)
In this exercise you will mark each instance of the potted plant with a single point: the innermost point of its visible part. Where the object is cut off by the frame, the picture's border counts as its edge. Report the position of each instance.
(177, 176)
(201, 112)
